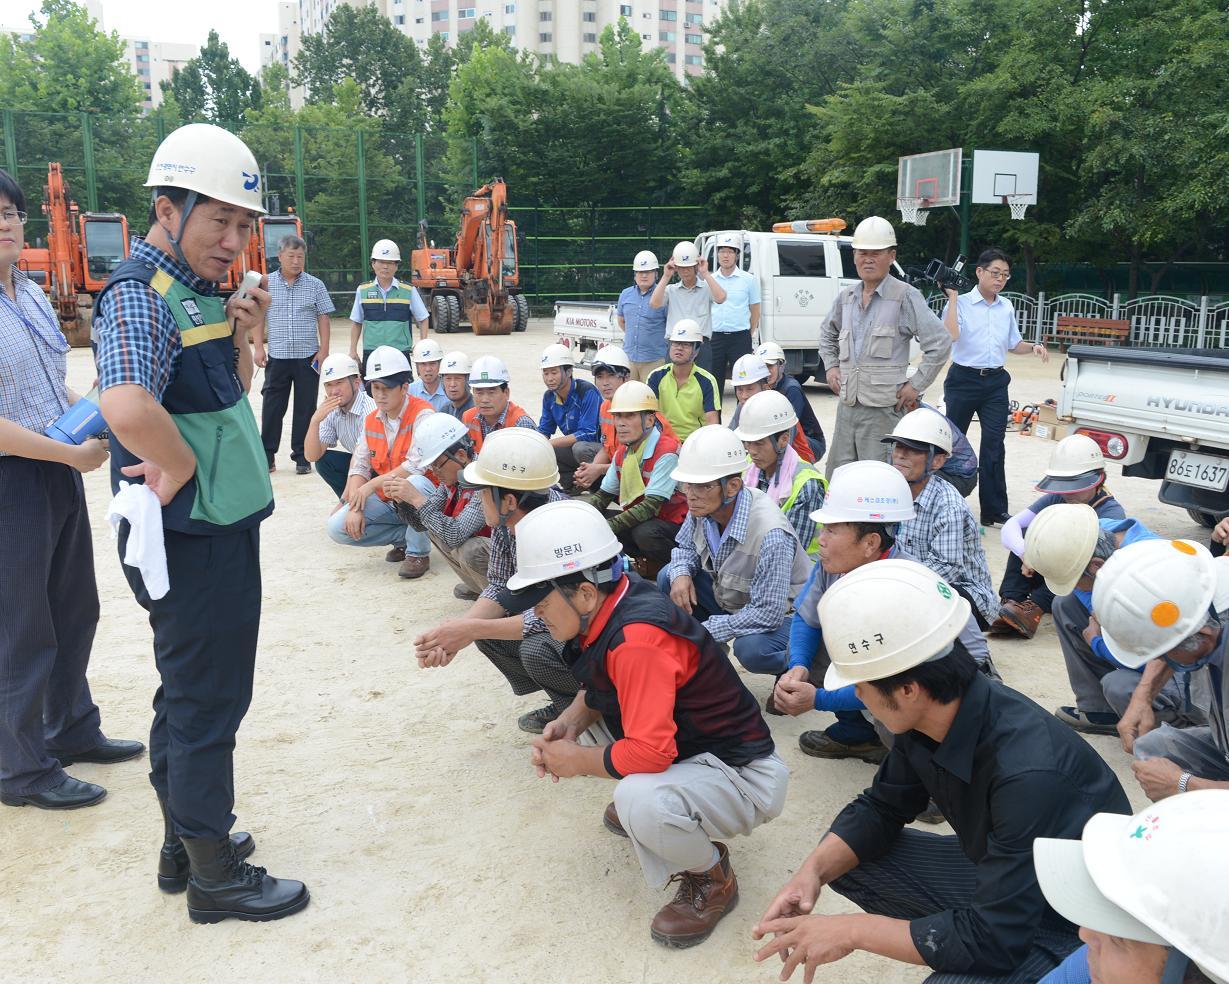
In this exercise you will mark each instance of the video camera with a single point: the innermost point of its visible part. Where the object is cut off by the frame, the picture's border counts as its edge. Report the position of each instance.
(950, 277)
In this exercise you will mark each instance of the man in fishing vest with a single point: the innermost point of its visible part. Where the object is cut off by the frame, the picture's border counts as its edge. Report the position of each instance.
(691, 754)
(641, 480)
(385, 309)
(493, 408)
(174, 364)
(368, 518)
(737, 565)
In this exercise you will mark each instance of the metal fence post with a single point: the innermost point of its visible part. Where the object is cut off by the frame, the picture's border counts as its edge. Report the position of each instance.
(477, 183)
(299, 198)
(421, 191)
(1203, 321)
(1116, 306)
(1041, 316)
(362, 193)
(10, 144)
(91, 178)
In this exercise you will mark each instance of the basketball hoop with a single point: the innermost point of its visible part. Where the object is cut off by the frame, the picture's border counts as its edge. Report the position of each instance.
(1018, 205)
(913, 210)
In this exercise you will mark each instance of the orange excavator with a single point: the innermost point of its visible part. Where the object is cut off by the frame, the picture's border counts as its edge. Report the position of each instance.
(82, 249)
(477, 280)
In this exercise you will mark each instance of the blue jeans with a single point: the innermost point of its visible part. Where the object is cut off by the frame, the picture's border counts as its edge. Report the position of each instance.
(760, 652)
(384, 527)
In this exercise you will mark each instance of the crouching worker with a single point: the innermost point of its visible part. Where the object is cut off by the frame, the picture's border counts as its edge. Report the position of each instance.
(641, 480)
(450, 515)
(737, 564)
(368, 519)
(692, 755)
(1001, 769)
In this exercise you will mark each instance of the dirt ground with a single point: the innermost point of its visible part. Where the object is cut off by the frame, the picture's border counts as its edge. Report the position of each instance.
(404, 798)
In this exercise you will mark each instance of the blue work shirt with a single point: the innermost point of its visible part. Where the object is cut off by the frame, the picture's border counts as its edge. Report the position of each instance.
(1131, 530)
(741, 291)
(439, 399)
(577, 415)
(644, 327)
(987, 331)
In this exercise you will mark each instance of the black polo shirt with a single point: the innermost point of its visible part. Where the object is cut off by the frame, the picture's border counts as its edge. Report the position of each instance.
(1006, 773)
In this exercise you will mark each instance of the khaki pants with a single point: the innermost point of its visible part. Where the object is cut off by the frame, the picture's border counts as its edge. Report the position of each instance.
(859, 430)
(641, 370)
(468, 561)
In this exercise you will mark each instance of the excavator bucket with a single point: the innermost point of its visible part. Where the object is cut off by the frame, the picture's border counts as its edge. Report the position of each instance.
(489, 320)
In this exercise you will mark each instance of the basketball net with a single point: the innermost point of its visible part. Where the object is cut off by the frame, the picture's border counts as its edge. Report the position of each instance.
(1018, 204)
(913, 211)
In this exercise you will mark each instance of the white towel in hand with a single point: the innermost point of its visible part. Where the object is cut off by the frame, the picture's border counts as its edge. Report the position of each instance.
(145, 550)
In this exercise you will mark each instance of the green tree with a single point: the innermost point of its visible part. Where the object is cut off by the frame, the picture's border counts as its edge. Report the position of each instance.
(214, 87)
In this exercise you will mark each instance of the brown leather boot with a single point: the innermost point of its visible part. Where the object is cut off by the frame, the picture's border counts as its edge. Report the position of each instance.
(1022, 616)
(610, 820)
(414, 566)
(699, 904)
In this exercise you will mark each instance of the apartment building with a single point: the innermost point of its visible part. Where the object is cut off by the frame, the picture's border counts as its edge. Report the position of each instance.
(283, 46)
(153, 62)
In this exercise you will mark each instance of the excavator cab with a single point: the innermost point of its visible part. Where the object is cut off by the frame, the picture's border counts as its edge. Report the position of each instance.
(104, 239)
(273, 229)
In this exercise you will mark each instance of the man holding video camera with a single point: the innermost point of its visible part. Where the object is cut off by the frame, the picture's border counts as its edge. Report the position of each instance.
(983, 329)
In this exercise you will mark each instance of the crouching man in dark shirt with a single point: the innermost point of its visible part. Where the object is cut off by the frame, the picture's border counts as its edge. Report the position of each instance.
(1001, 769)
(691, 752)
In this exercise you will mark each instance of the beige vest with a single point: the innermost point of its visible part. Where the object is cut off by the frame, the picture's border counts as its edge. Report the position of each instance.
(732, 584)
(881, 366)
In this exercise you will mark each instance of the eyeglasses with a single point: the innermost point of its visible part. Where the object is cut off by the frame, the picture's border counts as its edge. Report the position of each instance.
(1003, 275)
(697, 488)
(11, 216)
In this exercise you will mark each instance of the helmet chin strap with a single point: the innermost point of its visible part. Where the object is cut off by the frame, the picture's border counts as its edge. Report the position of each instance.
(609, 575)
(188, 205)
(725, 499)
(929, 470)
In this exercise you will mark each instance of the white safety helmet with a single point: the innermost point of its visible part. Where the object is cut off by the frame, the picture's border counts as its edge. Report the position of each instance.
(748, 369)
(1156, 877)
(556, 355)
(874, 232)
(488, 370)
(685, 255)
(731, 239)
(434, 434)
(887, 617)
(686, 330)
(338, 366)
(559, 539)
(646, 259)
(1076, 465)
(1059, 544)
(427, 350)
(710, 453)
(517, 458)
(455, 364)
(764, 414)
(210, 161)
(770, 352)
(634, 397)
(386, 361)
(386, 249)
(866, 492)
(922, 429)
(1151, 595)
(612, 357)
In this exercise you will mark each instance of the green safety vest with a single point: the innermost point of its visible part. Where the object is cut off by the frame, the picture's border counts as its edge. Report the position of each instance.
(802, 475)
(387, 320)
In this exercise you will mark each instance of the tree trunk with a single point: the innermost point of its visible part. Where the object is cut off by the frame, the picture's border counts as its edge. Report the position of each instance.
(1030, 270)
(1133, 275)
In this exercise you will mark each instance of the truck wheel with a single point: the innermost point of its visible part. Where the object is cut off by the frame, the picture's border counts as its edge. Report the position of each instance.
(520, 312)
(1204, 519)
(454, 312)
(440, 323)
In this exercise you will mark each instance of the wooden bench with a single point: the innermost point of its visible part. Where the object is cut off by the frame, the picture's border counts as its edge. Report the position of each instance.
(1096, 331)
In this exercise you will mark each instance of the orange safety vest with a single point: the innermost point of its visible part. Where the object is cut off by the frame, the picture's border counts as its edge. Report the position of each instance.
(802, 446)
(458, 499)
(610, 442)
(471, 420)
(674, 509)
(383, 458)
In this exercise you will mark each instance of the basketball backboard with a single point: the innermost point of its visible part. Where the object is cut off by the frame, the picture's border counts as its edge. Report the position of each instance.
(934, 178)
(1000, 175)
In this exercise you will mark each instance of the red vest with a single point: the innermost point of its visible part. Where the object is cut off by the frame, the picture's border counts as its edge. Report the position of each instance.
(383, 458)
(458, 499)
(674, 509)
(471, 421)
(606, 422)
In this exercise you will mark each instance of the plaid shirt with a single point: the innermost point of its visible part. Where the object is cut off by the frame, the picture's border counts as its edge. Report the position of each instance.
(770, 601)
(944, 537)
(502, 565)
(32, 389)
(345, 427)
(452, 530)
(293, 330)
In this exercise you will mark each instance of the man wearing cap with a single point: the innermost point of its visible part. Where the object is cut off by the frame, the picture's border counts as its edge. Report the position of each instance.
(1001, 770)
(385, 309)
(943, 534)
(643, 326)
(983, 327)
(339, 419)
(736, 321)
(785, 384)
(688, 395)
(493, 408)
(691, 299)
(691, 754)
(569, 406)
(1158, 604)
(427, 357)
(368, 518)
(454, 372)
(750, 376)
(298, 327)
(737, 565)
(174, 365)
(864, 344)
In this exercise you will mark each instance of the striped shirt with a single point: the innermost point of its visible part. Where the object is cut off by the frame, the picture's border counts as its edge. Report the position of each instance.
(345, 427)
(293, 309)
(502, 565)
(32, 361)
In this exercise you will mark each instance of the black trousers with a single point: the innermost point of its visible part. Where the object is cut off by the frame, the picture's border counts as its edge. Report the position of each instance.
(334, 468)
(1015, 585)
(281, 376)
(48, 614)
(654, 539)
(966, 392)
(727, 346)
(205, 632)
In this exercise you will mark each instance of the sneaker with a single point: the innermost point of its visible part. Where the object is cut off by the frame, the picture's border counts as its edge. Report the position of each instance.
(535, 722)
(1089, 722)
(822, 745)
(272, 467)
(395, 555)
(302, 468)
(414, 566)
(994, 519)
(1022, 616)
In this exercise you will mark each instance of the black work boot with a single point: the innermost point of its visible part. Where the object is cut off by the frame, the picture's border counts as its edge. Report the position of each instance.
(173, 859)
(220, 886)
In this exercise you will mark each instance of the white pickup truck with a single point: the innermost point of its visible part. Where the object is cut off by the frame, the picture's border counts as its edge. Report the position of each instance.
(1160, 413)
(585, 326)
